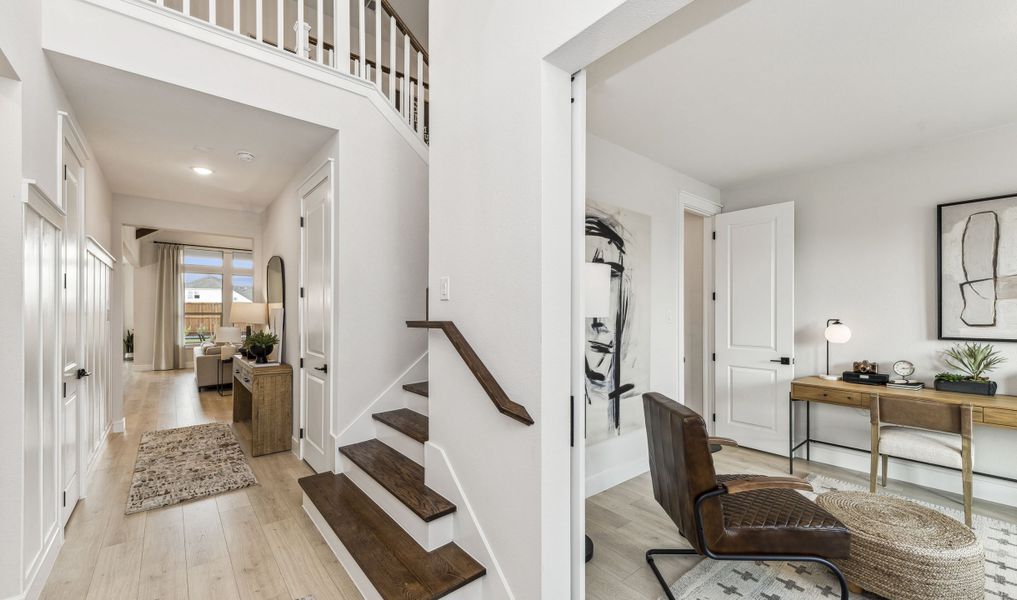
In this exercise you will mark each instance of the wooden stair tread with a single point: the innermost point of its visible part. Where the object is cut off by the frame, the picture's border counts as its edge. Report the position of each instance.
(405, 421)
(395, 564)
(420, 388)
(402, 477)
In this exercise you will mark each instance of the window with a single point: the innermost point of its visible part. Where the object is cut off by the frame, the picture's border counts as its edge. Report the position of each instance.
(213, 281)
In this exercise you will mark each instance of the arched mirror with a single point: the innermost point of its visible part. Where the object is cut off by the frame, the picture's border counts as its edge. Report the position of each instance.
(275, 294)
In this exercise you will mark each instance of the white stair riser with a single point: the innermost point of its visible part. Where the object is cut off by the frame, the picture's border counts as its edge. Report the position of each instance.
(402, 443)
(416, 403)
(430, 535)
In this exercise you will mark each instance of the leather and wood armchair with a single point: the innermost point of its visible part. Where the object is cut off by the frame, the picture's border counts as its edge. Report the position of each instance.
(732, 517)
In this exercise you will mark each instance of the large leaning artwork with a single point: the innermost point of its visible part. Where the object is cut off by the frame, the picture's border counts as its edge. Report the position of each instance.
(978, 269)
(618, 347)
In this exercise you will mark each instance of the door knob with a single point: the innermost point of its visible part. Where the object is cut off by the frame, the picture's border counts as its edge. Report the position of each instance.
(322, 368)
(83, 373)
(784, 360)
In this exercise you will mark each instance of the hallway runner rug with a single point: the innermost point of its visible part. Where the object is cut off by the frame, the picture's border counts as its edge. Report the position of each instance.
(711, 579)
(176, 465)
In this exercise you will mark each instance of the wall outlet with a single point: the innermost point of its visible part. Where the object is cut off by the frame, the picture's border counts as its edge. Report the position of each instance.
(444, 289)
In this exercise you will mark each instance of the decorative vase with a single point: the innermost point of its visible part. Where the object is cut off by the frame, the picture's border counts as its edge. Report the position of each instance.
(261, 353)
(982, 388)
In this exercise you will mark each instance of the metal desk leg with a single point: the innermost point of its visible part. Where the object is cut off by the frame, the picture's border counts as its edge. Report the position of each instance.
(791, 434)
(808, 431)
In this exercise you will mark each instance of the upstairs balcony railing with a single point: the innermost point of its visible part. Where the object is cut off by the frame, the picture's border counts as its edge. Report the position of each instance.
(363, 38)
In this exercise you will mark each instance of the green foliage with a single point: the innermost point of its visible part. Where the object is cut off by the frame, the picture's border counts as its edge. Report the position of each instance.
(262, 339)
(972, 360)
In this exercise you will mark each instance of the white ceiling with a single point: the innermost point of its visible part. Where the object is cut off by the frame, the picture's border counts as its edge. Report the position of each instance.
(732, 90)
(144, 134)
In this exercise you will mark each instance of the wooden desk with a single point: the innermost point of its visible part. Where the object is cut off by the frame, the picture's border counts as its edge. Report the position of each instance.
(263, 394)
(994, 411)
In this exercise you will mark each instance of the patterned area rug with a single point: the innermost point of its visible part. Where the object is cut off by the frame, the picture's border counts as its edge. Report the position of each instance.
(175, 465)
(713, 579)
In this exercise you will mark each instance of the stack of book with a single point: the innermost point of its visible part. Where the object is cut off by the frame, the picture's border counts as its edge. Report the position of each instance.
(903, 384)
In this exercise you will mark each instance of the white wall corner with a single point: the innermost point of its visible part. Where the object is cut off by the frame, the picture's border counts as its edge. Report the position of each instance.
(468, 533)
(393, 397)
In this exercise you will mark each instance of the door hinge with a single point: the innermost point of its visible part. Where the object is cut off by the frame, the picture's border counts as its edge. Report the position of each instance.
(65, 172)
(65, 500)
(714, 357)
(301, 433)
(572, 421)
(65, 281)
(714, 235)
(715, 296)
(301, 291)
(65, 389)
(301, 362)
(301, 221)
(714, 417)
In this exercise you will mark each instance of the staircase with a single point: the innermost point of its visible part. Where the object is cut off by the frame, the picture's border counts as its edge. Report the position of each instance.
(392, 533)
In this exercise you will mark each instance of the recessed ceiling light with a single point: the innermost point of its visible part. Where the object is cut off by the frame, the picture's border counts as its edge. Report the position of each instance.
(202, 170)
(244, 156)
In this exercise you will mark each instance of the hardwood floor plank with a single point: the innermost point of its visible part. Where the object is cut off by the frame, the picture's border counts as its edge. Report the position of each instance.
(164, 558)
(303, 572)
(254, 566)
(116, 572)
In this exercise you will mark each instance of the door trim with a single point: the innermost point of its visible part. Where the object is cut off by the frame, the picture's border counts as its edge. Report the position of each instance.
(324, 172)
(687, 201)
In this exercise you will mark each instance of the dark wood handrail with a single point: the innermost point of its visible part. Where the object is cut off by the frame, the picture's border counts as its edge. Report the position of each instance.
(501, 400)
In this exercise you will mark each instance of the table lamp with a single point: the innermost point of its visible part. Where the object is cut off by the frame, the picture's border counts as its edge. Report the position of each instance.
(836, 333)
(229, 335)
(249, 313)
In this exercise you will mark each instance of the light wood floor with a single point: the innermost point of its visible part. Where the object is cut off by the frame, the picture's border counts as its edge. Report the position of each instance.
(255, 543)
(625, 521)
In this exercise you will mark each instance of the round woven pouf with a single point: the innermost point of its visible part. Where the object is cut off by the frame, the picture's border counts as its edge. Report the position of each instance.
(905, 551)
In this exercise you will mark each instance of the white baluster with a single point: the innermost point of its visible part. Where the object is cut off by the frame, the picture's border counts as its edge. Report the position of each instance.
(418, 106)
(393, 63)
(236, 16)
(298, 43)
(302, 31)
(259, 20)
(341, 30)
(212, 17)
(406, 75)
(363, 37)
(186, 8)
(280, 28)
(321, 31)
(377, 43)
(161, 2)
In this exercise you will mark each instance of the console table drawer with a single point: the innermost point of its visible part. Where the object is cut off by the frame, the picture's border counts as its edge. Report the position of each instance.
(242, 373)
(805, 392)
(999, 416)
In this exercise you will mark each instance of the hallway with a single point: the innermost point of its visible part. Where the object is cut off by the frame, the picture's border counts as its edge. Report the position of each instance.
(254, 543)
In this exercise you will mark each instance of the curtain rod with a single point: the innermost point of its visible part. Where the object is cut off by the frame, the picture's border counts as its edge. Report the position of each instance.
(204, 247)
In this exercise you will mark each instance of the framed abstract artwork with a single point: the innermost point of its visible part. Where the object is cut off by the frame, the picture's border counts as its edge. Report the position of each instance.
(977, 242)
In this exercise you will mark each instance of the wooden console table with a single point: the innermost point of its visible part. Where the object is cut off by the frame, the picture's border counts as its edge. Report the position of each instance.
(995, 411)
(263, 394)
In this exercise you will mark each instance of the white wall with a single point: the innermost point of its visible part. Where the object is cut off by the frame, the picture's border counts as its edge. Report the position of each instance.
(500, 229)
(28, 119)
(380, 267)
(865, 252)
(695, 325)
(620, 177)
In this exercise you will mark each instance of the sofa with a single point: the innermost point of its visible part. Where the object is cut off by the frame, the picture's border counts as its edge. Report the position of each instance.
(207, 358)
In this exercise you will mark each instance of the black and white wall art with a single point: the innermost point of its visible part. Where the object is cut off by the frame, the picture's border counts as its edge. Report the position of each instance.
(618, 347)
(978, 269)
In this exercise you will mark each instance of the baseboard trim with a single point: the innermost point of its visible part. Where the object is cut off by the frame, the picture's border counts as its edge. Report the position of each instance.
(608, 478)
(137, 367)
(120, 425)
(983, 488)
(38, 581)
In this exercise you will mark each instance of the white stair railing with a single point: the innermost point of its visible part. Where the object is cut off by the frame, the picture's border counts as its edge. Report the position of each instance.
(387, 52)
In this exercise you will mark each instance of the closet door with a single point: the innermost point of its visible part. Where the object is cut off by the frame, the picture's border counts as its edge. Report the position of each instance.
(98, 348)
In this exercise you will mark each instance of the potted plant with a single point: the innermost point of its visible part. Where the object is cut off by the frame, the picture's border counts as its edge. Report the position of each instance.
(260, 345)
(129, 344)
(974, 362)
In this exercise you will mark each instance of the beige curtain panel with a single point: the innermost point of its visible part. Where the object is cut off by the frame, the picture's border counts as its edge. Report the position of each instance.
(166, 354)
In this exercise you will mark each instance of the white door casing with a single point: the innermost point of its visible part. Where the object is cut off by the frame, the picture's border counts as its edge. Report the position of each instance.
(754, 278)
(72, 193)
(316, 319)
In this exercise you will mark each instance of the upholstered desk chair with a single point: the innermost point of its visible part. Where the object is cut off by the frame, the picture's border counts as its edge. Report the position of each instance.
(732, 517)
(928, 432)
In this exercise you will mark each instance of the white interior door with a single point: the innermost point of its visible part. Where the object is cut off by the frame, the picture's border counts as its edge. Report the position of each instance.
(754, 277)
(316, 319)
(98, 349)
(73, 369)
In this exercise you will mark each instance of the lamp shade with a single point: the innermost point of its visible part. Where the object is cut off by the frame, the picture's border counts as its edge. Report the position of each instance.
(249, 313)
(229, 335)
(597, 290)
(837, 333)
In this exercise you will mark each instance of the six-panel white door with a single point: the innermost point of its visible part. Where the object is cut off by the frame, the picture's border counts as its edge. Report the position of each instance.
(316, 319)
(754, 275)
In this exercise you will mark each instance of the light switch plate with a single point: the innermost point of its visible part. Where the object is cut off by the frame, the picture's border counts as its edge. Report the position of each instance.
(445, 291)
